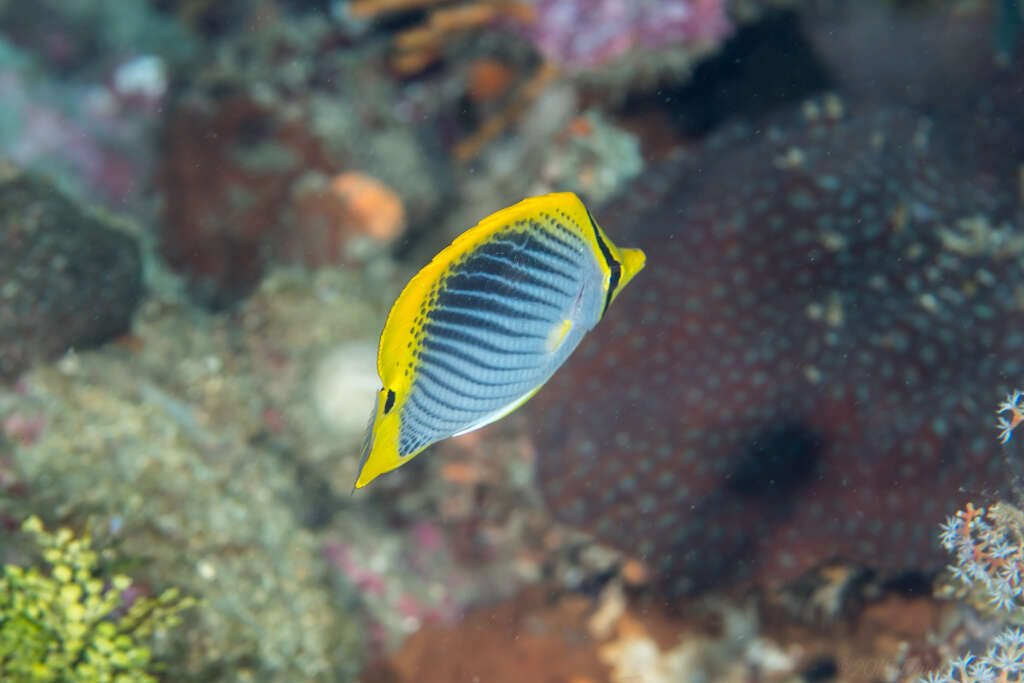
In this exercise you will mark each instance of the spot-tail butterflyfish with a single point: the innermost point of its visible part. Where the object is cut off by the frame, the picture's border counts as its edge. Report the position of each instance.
(487, 322)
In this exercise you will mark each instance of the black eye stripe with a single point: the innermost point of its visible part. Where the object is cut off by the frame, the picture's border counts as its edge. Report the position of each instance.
(389, 402)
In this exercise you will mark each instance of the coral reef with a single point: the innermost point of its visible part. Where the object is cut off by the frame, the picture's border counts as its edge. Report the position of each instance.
(988, 550)
(791, 380)
(67, 278)
(464, 527)
(89, 37)
(618, 637)
(612, 48)
(1003, 662)
(221, 450)
(72, 624)
(612, 40)
(593, 158)
(953, 35)
(1011, 414)
(256, 140)
(265, 145)
(229, 171)
(586, 35)
(79, 109)
(522, 639)
(196, 446)
(798, 380)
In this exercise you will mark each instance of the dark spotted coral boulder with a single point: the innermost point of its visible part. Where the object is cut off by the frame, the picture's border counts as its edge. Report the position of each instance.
(807, 367)
(66, 279)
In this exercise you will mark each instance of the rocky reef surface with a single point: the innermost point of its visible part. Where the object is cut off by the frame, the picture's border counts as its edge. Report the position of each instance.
(68, 279)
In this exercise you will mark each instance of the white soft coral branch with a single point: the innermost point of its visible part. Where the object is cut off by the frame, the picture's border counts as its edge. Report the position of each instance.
(1006, 424)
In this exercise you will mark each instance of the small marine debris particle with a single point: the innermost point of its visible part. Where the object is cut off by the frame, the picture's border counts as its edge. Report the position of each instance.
(793, 158)
(987, 547)
(834, 109)
(831, 312)
(9, 172)
(635, 573)
(976, 236)
(899, 217)
(462, 473)
(922, 135)
(339, 219)
(593, 157)
(369, 8)
(813, 374)
(342, 382)
(373, 207)
(489, 78)
(611, 607)
(23, 428)
(1002, 662)
(833, 241)
(1012, 405)
(929, 302)
(144, 77)
(735, 654)
(580, 126)
(480, 329)
(206, 569)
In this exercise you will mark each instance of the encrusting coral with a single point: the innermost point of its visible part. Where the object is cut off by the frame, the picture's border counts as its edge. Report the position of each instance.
(74, 624)
(804, 338)
(183, 441)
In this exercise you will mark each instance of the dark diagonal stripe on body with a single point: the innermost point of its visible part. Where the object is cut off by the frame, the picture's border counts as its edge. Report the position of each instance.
(576, 247)
(519, 259)
(462, 373)
(459, 335)
(486, 284)
(477, 321)
(465, 356)
(531, 246)
(462, 393)
(429, 412)
(478, 302)
(510, 274)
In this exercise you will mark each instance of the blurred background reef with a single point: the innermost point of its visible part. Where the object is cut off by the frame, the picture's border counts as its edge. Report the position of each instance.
(206, 208)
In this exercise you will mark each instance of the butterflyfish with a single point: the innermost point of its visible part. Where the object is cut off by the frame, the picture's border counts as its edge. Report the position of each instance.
(487, 322)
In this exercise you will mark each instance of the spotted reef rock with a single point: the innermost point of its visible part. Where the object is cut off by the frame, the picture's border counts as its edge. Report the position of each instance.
(66, 279)
(808, 365)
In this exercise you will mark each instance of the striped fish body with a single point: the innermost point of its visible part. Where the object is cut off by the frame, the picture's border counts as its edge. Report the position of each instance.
(480, 329)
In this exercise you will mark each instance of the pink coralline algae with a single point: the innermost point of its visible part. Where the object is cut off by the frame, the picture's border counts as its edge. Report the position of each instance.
(583, 34)
(96, 137)
(429, 588)
(22, 429)
(807, 368)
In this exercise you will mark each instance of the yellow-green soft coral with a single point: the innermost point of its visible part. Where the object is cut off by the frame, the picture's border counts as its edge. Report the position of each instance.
(70, 625)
